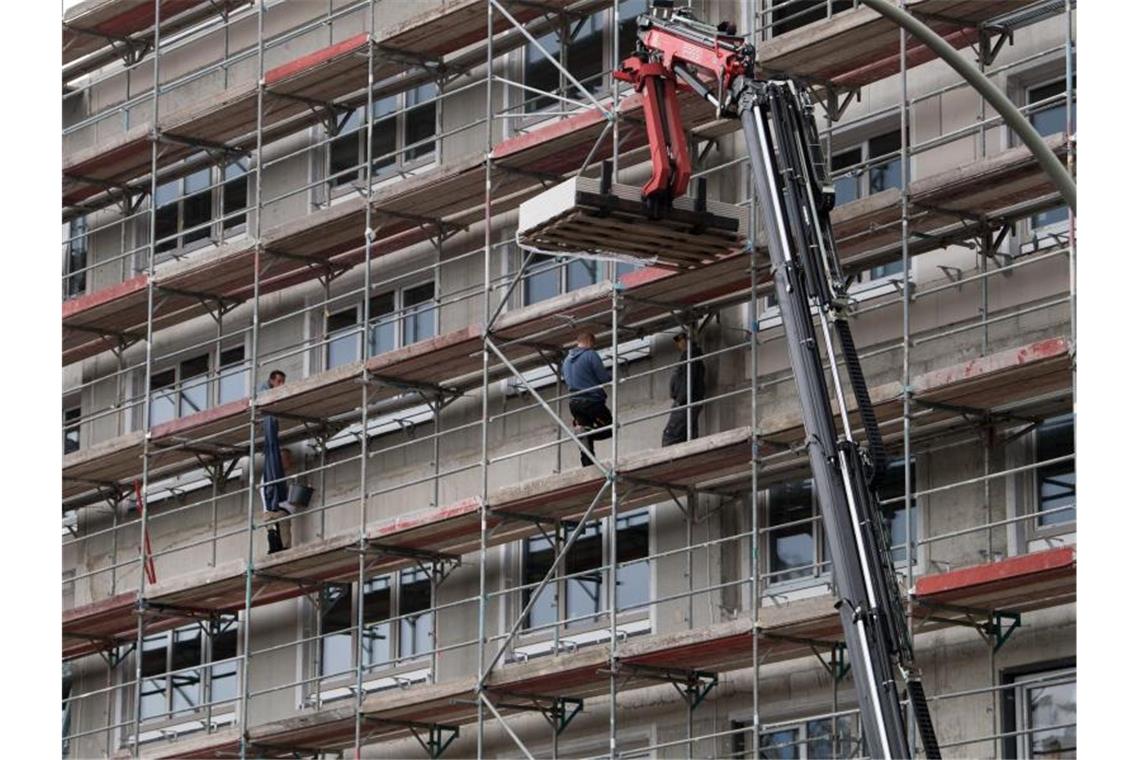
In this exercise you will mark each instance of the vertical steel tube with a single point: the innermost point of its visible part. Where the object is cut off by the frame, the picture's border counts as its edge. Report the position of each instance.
(484, 460)
(754, 422)
(255, 330)
(611, 560)
(137, 712)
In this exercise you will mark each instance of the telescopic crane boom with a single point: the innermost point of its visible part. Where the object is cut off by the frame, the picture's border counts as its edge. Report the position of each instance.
(794, 192)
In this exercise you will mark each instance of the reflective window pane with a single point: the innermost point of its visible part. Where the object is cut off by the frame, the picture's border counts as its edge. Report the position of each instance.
(582, 272)
(1056, 483)
(787, 15)
(780, 745)
(791, 549)
(416, 618)
(153, 701)
(884, 175)
(892, 485)
(585, 558)
(828, 738)
(542, 280)
(186, 670)
(846, 188)
(223, 677)
(343, 340)
(419, 313)
(419, 122)
(540, 73)
(381, 312)
(377, 611)
(336, 630)
(633, 543)
(538, 553)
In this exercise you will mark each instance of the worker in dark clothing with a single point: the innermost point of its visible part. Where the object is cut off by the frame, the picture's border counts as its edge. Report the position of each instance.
(274, 489)
(586, 376)
(686, 386)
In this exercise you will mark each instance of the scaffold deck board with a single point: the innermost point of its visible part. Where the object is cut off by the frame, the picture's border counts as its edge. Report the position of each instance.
(577, 217)
(785, 632)
(856, 47)
(866, 230)
(335, 74)
(1015, 584)
(97, 26)
(645, 477)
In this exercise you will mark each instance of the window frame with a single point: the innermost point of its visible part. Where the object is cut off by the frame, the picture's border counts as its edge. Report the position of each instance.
(78, 239)
(214, 376)
(1034, 233)
(72, 424)
(1015, 743)
(217, 229)
(395, 624)
(398, 317)
(399, 162)
(1035, 530)
(634, 612)
(203, 706)
(800, 22)
(740, 743)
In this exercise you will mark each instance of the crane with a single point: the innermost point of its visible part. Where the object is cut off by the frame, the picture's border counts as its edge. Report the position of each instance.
(675, 51)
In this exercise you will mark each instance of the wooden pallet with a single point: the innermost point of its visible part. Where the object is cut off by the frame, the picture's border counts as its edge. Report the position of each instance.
(577, 217)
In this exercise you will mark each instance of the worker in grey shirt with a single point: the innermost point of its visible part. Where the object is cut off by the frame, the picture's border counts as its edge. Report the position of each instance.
(586, 376)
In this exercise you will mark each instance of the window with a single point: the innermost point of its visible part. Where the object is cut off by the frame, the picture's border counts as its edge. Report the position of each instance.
(587, 56)
(786, 15)
(853, 181)
(71, 429)
(1049, 119)
(1056, 483)
(549, 276)
(402, 127)
(582, 596)
(1039, 712)
(796, 547)
(383, 639)
(75, 258)
(818, 738)
(187, 388)
(398, 318)
(67, 684)
(178, 674)
(891, 485)
(204, 205)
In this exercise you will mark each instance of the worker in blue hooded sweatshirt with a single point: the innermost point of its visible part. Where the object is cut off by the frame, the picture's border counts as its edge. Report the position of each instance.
(274, 489)
(586, 376)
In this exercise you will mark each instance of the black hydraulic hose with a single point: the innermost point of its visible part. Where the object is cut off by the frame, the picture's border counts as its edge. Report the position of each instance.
(863, 399)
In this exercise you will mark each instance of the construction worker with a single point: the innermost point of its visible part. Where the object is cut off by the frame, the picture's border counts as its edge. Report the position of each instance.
(686, 386)
(274, 489)
(586, 376)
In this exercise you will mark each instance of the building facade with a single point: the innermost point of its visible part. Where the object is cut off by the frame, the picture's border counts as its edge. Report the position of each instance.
(330, 189)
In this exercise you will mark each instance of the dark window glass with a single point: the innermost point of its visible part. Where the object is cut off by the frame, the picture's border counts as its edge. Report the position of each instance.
(235, 195)
(76, 283)
(336, 630)
(1050, 120)
(583, 593)
(780, 745)
(628, 11)
(825, 740)
(846, 188)
(233, 379)
(71, 429)
(538, 553)
(154, 676)
(163, 397)
(586, 55)
(419, 121)
(1050, 712)
(633, 543)
(382, 313)
(1056, 483)
(223, 676)
(540, 73)
(542, 279)
(419, 313)
(343, 345)
(194, 385)
(582, 272)
(882, 176)
(166, 228)
(792, 14)
(185, 669)
(344, 151)
(791, 549)
(416, 618)
(377, 613)
(893, 485)
(384, 135)
(197, 211)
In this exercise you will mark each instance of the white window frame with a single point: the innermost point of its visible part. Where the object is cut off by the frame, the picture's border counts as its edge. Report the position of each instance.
(190, 720)
(1016, 705)
(401, 165)
(397, 316)
(1032, 531)
(76, 236)
(532, 642)
(799, 725)
(216, 232)
(213, 376)
(1035, 238)
(396, 671)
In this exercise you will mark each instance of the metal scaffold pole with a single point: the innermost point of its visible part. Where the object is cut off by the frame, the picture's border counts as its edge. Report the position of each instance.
(365, 386)
(141, 493)
(754, 425)
(484, 454)
(255, 328)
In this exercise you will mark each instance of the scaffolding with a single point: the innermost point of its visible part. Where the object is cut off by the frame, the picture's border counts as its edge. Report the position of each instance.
(361, 229)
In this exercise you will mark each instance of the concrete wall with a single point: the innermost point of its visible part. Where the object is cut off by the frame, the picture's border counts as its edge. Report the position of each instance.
(293, 319)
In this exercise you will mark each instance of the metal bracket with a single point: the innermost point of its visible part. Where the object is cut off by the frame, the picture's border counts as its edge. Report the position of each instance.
(554, 709)
(692, 685)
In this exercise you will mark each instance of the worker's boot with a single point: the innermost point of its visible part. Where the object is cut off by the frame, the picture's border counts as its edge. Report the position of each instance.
(274, 536)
